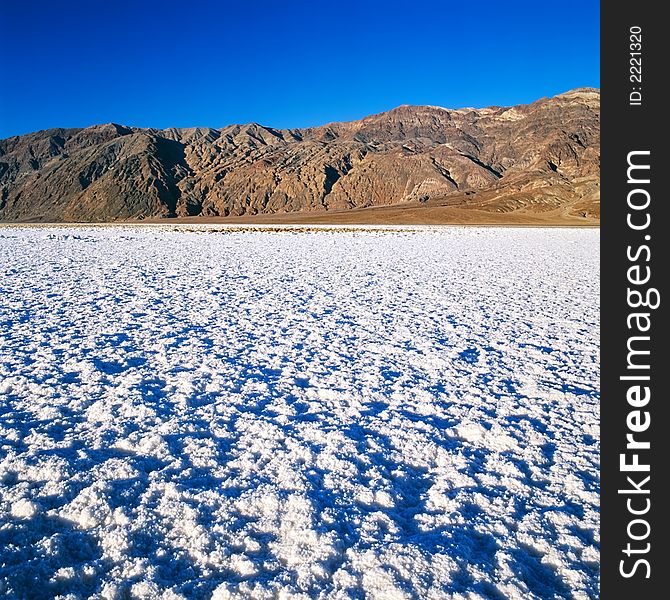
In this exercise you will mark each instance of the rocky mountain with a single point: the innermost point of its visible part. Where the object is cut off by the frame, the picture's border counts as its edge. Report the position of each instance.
(542, 157)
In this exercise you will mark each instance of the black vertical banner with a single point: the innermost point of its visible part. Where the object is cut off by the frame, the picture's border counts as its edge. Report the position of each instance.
(635, 427)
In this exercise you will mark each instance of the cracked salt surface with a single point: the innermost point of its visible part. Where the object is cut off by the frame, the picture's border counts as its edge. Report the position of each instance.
(305, 414)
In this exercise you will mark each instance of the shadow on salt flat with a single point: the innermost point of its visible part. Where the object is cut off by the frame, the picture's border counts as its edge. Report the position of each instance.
(113, 367)
(30, 569)
(470, 355)
(541, 579)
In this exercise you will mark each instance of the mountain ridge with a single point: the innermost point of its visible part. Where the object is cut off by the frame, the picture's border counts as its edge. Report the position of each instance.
(541, 157)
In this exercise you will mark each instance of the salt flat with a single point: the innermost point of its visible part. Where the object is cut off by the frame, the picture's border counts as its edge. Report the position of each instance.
(219, 413)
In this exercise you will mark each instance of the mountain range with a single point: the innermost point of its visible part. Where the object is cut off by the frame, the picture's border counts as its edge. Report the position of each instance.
(536, 162)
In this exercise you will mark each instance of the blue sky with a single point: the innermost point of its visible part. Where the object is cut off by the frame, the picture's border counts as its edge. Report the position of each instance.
(284, 64)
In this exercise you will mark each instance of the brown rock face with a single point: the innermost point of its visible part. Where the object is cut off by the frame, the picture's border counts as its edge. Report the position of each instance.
(538, 157)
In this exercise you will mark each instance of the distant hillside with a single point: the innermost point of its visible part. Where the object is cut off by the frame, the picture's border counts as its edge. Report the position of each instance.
(527, 160)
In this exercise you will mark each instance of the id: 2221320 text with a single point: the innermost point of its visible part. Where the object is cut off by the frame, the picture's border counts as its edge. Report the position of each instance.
(635, 66)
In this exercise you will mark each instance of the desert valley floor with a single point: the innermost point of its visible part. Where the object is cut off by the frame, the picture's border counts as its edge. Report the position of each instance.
(219, 412)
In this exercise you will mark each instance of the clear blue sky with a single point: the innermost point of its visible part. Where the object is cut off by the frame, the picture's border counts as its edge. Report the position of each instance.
(288, 63)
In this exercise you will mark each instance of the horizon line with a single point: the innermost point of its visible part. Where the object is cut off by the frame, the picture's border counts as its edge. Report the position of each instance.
(270, 127)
